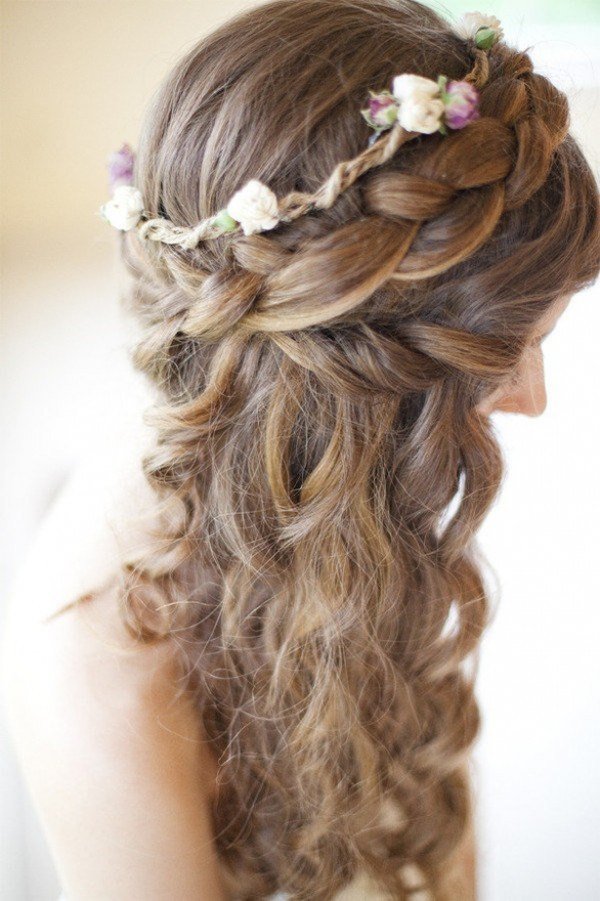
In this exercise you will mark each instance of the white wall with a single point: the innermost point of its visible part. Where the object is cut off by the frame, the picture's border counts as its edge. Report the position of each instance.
(540, 675)
(539, 682)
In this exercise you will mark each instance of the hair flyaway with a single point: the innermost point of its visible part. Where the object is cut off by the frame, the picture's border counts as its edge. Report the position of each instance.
(413, 106)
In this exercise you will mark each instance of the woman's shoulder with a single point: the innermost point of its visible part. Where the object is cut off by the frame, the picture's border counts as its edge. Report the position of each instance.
(102, 512)
(63, 618)
(64, 640)
(64, 608)
(114, 756)
(110, 743)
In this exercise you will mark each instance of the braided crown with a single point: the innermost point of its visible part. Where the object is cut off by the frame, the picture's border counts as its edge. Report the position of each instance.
(414, 105)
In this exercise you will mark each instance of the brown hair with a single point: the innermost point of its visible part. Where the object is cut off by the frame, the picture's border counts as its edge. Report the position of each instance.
(322, 466)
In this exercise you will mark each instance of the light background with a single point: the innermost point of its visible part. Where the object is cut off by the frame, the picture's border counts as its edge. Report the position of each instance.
(76, 77)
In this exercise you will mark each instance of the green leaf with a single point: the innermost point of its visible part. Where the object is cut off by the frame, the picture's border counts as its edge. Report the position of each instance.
(442, 82)
(485, 37)
(225, 221)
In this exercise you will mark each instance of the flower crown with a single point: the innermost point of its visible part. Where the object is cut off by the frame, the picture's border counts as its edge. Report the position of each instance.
(414, 105)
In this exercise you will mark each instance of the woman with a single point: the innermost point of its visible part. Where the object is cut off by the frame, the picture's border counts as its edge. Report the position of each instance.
(269, 687)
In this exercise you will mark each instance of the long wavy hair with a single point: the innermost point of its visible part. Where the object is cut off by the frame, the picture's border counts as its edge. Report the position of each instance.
(319, 465)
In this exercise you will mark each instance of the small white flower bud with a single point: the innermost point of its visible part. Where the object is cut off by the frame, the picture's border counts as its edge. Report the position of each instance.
(421, 114)
(407, 86)
(470, 23)
(255, 207)
(125, 208)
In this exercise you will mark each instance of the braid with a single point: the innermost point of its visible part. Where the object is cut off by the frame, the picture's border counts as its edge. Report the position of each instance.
(417, 223)
(298, 203)
(345, 173)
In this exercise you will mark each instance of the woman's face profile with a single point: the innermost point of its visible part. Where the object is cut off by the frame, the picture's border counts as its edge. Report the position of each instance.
(526, 392)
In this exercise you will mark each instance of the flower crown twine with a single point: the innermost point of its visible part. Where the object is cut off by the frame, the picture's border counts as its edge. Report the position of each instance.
(414, 105)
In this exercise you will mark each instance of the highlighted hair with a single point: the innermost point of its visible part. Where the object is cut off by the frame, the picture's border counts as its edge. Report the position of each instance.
(319, 460)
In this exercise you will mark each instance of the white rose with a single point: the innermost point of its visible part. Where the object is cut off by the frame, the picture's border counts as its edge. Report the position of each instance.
(470, 23)
(407, 86)
(125, 208)
(420, 113)
(255, 207)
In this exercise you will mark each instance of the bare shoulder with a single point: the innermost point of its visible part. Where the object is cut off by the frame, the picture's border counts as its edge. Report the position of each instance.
(114, 758)
(104, 511)
(99, 515)
(110, 745)
(65, 642)
(65, 639)
(85, 659)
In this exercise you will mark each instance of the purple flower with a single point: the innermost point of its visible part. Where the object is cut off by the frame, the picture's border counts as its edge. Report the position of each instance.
(462, 103)
(120, 167)
(382, 111)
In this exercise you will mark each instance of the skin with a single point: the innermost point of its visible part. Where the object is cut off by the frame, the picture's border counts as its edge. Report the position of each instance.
(113, 758)
(527, 393)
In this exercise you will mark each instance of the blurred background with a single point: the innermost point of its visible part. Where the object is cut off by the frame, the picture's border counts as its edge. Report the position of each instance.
(76, 77)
